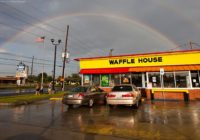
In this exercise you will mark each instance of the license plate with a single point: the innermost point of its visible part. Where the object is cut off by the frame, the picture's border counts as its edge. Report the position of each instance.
(70, 96)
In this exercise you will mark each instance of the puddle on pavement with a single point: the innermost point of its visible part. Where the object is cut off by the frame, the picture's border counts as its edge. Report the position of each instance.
(152, 120)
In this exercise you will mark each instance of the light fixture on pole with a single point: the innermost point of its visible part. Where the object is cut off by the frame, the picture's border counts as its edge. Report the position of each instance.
(54, 66)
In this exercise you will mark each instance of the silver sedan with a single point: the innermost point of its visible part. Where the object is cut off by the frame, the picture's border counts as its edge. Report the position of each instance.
(83, 95)
(124, 95)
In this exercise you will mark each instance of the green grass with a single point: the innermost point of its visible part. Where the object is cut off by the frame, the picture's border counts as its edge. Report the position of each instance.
(25, 99)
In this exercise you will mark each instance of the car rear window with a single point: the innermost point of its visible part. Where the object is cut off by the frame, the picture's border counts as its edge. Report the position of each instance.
(122, 88)
(79, 89)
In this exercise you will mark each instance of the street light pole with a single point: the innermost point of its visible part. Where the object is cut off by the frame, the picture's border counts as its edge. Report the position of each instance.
(54, 66)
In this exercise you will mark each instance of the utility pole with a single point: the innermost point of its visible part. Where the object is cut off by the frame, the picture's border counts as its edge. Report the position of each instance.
(32, 66)
(64, 59)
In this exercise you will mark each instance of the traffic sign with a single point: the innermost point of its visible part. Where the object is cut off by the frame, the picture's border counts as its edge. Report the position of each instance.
(162, 71)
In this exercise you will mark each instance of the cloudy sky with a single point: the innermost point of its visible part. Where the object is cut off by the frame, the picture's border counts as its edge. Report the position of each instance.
(95, 27)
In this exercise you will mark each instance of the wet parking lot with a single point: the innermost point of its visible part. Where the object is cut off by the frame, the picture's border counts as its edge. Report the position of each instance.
(49, 120)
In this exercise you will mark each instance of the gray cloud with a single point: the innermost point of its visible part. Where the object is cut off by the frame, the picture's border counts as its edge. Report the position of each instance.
(127, 26)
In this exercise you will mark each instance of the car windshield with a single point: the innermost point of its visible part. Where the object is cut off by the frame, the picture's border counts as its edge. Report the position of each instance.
(79, 89)
(122, 88)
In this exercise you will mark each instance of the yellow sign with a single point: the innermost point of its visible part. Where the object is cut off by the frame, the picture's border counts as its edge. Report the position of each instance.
(165, 59)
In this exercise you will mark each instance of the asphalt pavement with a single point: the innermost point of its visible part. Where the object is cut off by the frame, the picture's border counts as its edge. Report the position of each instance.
(50, 120)
(21, 91)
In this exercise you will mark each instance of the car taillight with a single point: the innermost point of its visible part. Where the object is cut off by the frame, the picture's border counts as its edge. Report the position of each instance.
(81, 95)
(128, 95)
(110, 95)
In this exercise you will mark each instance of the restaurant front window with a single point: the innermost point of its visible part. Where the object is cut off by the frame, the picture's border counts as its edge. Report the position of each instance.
(195, 79)
(154, 79)
(105, 80)
(115, 79)
(168, 79)
(137, 79)
(96, 80)
(182, 79)
(126, 78)
(87, 80)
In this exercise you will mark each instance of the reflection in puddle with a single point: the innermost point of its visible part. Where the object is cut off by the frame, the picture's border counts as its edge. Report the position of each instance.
(152, 120)
(103, 119)
(18, 112)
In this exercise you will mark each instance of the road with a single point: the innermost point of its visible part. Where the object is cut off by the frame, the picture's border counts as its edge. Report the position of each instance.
(10, 92)
(50, 120)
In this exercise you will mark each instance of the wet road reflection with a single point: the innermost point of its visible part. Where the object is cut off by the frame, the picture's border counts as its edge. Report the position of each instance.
(153, 120)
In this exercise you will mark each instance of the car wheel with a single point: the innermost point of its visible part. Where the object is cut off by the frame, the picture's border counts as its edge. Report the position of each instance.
(69, 106)
(72, 106)
(140, 101)
(91, 102)
(111, 106)
(104, 102)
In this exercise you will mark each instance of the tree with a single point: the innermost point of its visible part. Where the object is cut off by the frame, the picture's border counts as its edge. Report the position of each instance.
(49, 78)
(75, 78)
(33, 78)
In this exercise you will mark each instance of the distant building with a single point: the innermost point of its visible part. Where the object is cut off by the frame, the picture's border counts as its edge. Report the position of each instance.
(8, 80)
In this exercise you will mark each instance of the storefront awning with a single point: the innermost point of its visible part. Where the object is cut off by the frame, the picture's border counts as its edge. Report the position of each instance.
(139, 69)
(106, 70)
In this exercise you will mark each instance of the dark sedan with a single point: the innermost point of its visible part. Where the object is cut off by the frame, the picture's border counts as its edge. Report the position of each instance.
(84, 95)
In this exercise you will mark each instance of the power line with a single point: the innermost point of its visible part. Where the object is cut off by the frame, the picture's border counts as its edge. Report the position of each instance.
(20, 29)
(188, 45)
(35, 18)
(12, 54)
(28, 57)
(27, 15)
(26, 22)
(37, 9)
(91, 42)
(32, 17)
(7, 64)
(178, 47)
(12, 59)
(197, 44)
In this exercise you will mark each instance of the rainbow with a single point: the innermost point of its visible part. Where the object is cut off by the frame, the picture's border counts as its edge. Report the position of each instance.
(106, 15)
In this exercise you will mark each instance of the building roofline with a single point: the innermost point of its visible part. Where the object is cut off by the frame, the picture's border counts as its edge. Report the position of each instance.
(167, 52)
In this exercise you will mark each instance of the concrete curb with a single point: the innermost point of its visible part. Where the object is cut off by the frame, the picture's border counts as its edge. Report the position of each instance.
(29, 102)
(57, 99)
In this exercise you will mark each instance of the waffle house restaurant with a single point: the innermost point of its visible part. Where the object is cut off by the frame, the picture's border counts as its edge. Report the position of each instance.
(165, 75)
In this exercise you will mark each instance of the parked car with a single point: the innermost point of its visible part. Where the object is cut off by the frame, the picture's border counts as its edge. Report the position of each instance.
(124, 95)
(84, 95)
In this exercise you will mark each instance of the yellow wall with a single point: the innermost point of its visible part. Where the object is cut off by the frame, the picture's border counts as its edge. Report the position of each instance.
(178, 58)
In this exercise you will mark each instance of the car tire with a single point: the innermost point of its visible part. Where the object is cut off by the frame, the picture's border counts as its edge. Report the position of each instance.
(72, 106)
(104, 102)
(69, 106)
(91, 102)
(111, 106)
